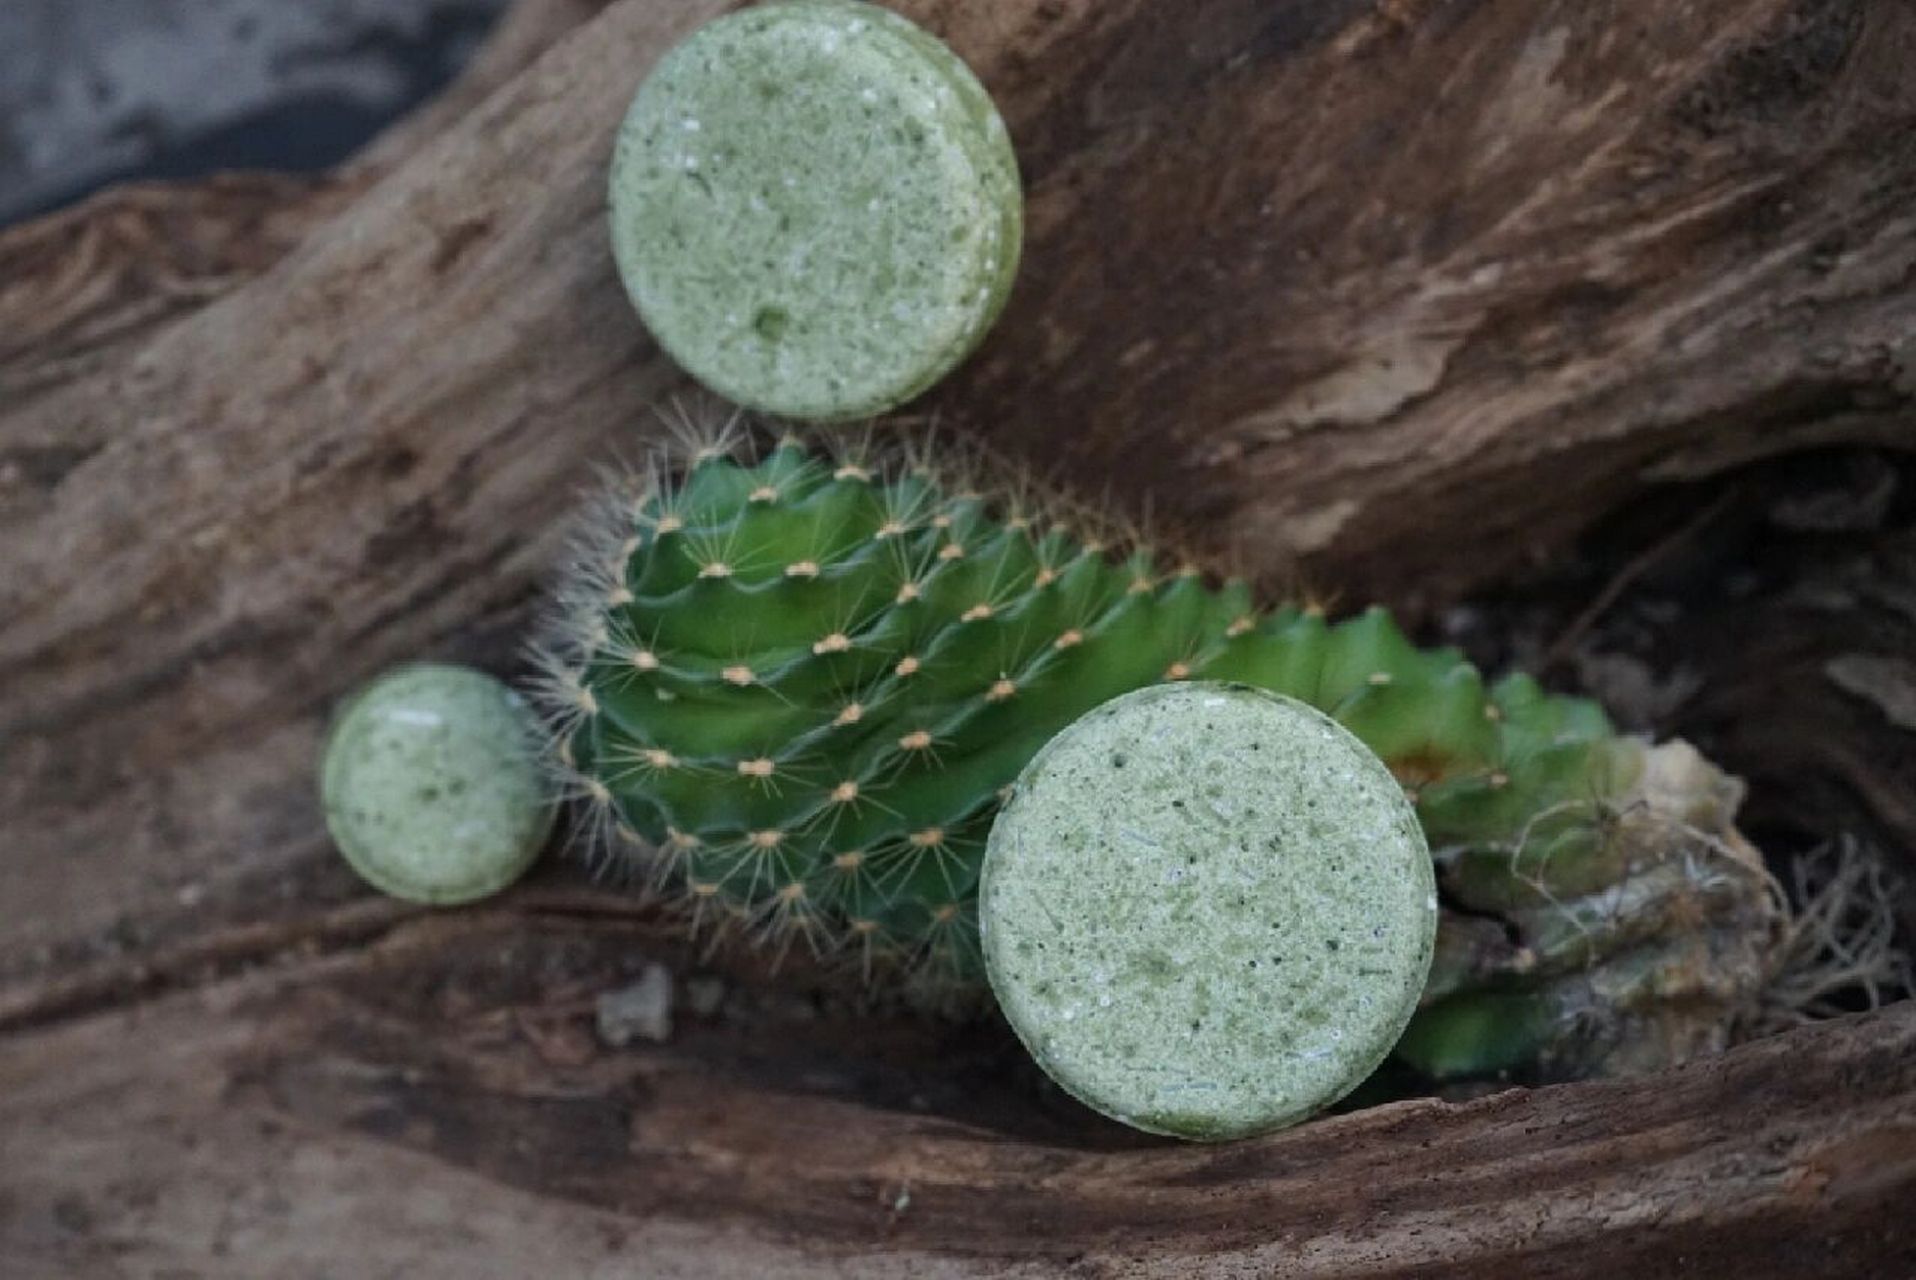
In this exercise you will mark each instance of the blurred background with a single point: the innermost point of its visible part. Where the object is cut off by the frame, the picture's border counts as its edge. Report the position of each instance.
(98, 91)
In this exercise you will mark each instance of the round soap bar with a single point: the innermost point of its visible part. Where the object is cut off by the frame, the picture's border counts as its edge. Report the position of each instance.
(815, 208)
(432, 786)
(1207, 910)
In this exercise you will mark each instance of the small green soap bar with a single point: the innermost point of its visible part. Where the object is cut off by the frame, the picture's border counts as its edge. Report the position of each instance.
(815, 208)
(1207, 910)
(432, 786)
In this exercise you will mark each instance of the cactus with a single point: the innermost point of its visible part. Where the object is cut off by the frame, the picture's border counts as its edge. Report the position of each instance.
(791, 684)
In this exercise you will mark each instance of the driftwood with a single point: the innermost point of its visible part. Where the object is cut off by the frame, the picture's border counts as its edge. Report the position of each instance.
(1407, 293)
(430, 1100)
(81, 287)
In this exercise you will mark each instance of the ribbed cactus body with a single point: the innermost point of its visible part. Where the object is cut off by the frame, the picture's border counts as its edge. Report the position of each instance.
(794, 688)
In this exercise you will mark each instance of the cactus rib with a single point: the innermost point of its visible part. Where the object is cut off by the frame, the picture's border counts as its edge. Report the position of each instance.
(790, 683)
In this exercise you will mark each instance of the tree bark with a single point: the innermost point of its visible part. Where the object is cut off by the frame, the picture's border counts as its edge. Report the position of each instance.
(85, 286)
(1399, 295)
(391, 1093)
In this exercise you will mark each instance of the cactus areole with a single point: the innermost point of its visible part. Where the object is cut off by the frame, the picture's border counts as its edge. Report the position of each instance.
(1207, 910)
(796, 684)
(815, 208)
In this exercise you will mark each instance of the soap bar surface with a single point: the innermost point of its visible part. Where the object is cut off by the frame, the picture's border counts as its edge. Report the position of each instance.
(432, 785)
(815, 208)
(1207, 910)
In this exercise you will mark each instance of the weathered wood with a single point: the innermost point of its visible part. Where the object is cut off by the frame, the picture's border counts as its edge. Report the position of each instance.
(1416, 288)
(1809, 682)
(435, 1103)
(85, 286)
(1597, 242)
(1412, 290)
(524, 31)
(63, 442)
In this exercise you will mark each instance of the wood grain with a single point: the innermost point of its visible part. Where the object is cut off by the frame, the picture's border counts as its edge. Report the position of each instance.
(433, 1102)
(1397, 295)
(87, 285)
(1601, 243)
(281, 512)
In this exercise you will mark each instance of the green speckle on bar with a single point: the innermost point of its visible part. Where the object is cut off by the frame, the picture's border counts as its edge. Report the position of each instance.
(432, 786)
(1207, 910)
(815, 208)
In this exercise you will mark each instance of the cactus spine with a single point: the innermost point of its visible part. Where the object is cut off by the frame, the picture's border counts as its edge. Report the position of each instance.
(791, 685)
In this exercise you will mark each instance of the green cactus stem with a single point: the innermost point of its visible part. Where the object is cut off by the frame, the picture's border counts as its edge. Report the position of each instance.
(791, 684)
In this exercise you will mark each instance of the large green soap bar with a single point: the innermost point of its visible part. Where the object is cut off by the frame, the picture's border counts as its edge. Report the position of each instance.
(815, 208)
(1207, 910)
(432, 785)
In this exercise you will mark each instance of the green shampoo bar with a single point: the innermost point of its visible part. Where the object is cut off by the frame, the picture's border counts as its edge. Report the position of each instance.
(432, 785)
(815, 208)
(1207, 910)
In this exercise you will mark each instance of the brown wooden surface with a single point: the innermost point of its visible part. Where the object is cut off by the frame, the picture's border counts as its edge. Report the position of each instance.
(1412, 290)
(1678, 236)
(417, 1095)
(89, 284)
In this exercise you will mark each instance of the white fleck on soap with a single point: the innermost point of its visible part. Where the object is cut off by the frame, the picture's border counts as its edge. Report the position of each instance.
(1207, 910)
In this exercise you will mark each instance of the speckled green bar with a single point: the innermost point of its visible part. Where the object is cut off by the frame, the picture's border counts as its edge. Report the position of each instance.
(815, 207)
(1207, 910)
(432, 787)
